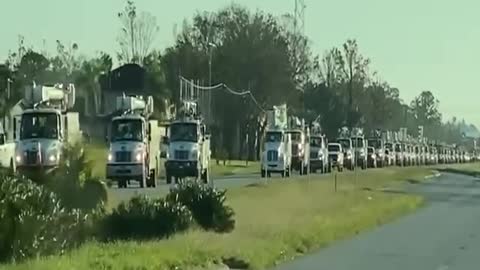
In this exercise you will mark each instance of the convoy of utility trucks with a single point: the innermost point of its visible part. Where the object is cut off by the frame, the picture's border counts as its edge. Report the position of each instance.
(141, 148)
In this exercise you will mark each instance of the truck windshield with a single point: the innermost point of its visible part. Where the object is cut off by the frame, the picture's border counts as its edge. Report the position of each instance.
(127, 130)
(398, 148)
(39, 125)
(346, 143)
(296, 136)
(273, 137)
(375, 143)
(371, 150)
(333, 148)
(183, 132)
(359, 142)
(389, 146)
(316, 142)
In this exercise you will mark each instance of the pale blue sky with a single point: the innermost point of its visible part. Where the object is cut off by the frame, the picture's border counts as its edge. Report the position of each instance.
(414, 44)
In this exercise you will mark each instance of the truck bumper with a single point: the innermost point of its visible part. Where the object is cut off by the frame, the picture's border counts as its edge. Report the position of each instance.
(123, 171)
(316, 163)
(273, 167)
(36, 172)
(181, 168)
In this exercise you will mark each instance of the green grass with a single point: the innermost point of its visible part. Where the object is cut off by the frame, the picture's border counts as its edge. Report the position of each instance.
(97, 154)
(275, 222)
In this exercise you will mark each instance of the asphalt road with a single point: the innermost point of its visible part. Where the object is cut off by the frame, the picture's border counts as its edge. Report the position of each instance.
(444, 235)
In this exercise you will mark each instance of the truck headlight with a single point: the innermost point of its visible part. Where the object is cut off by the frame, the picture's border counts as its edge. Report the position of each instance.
(138, 157)
(110, 157)
(18, 158)
(52, 158)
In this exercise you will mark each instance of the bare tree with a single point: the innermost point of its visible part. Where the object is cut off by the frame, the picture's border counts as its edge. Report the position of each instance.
(137, 34)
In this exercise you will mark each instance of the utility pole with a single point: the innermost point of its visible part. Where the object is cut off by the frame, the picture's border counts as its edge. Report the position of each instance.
(9, 81)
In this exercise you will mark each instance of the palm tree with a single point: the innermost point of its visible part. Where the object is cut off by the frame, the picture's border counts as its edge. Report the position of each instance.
(87, 79)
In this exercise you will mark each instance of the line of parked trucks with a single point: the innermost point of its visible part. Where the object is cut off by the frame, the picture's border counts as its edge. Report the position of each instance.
(139, 147)
(291, 145)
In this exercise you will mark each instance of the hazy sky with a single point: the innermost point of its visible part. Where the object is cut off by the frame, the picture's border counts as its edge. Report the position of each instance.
(414, 44)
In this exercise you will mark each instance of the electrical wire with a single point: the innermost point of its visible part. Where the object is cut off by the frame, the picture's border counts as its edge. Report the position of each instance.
(225, 87)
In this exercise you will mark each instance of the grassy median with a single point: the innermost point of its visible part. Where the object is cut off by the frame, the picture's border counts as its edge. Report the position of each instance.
(275, 222)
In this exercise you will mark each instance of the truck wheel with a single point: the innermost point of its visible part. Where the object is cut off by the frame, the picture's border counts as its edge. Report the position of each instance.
(142, 184)
(288, 172)
(284, 173)
(305, 170)
(168, 178)
(152, 180)
(262, 173)
(269, 174)
(205, 176)
(11, 169)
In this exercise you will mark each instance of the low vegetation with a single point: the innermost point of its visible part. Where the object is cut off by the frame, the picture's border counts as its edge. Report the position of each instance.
(273, 222)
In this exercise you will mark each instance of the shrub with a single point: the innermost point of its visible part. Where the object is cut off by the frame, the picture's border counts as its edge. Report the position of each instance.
(33, 221)
(143, 218)
(207, 205)
(74, 182)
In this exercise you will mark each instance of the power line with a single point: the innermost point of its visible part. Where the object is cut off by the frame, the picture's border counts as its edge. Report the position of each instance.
(224, 87)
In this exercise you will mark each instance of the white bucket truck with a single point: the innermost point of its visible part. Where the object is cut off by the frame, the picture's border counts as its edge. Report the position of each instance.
(134, 143)
(277, 148)
(300, 136)
(318, 150)
(46, 128)
(188, 146)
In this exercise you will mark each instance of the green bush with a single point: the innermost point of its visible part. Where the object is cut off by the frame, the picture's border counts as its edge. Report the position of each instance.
(207, 204)
(144, 218)
(34, 222)
(74, 182)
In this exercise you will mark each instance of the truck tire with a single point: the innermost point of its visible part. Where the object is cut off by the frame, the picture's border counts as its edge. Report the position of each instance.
(205, 178)
(288, 172)
(262, 173)
(152, 179)
(11, 169)
(168, 178)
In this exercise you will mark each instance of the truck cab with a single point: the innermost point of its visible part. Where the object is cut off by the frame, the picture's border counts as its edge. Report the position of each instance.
(134, 141)
(390, 153)
(319, 154)
(188, 150)
(360, 151)
(277, 153)
(348, 152)
(300, 150)
(336, 156)
(382, 159)
(46, 128)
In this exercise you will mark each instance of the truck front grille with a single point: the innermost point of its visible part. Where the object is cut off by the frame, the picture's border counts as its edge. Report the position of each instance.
(333, 157)
(123, 156)
(181, 154)
(272, 155)
(314, 155)
(31, 157)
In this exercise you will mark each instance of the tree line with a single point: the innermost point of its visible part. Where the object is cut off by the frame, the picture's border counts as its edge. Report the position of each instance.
(244, 49)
